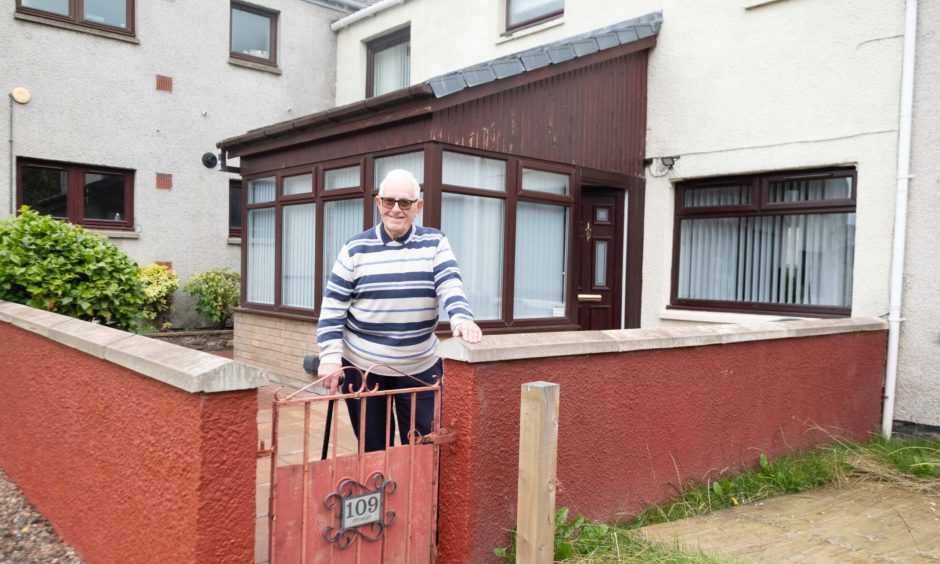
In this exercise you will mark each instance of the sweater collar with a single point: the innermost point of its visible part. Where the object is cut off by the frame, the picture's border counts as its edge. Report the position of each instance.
(386, 238)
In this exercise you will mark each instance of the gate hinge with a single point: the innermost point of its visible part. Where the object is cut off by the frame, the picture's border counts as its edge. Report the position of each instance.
(264, 452)
(442, 437)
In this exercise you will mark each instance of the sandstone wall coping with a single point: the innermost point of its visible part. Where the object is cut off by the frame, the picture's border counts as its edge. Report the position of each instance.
(189, 370)
(518, 346)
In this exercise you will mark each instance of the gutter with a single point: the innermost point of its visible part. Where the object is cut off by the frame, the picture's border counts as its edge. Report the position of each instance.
(379, 6)
(900, 216)
(344, 5)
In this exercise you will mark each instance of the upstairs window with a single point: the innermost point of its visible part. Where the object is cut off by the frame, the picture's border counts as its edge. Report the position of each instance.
(389, 63)
(254, 34)
(775, 243)
(523, 13)
(111, 15)
(92, 196)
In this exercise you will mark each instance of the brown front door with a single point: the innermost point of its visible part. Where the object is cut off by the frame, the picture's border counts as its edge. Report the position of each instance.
(600, 252)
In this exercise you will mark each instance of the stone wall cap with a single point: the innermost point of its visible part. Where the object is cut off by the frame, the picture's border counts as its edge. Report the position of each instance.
(519, 346)
(190, 370)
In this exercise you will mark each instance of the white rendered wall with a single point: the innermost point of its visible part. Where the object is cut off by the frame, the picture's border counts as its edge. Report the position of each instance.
(94, 101)
(918, 391)
(735, 86)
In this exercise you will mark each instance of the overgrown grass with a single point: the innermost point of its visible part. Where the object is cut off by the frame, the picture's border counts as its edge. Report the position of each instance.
(908, 462)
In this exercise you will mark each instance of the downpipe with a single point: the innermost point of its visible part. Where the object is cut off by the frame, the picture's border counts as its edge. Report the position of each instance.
(900, 217)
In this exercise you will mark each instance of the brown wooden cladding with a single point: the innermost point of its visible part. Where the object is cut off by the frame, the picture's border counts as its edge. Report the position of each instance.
(357, 143)
(593, 117)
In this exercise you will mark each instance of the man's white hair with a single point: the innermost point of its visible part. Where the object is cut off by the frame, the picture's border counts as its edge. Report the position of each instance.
(400, 174)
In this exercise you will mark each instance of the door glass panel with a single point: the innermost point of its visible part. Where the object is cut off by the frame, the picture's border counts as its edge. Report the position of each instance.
(45, 190)
(104, 196)
(600, 263)
(602, 215)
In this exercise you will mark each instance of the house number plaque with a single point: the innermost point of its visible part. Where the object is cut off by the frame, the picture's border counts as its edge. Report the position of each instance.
(360, 509)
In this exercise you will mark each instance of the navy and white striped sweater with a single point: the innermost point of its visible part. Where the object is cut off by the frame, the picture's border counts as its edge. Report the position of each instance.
(380, 305)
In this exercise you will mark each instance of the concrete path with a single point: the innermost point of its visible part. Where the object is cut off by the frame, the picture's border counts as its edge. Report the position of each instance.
(856, 522)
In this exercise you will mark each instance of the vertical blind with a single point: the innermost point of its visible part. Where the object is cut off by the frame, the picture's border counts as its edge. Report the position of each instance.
(541, 259)
(300, 184)
(297, 257)
(338, 178)
(474, 227)
(341, 220)
(391, 68)
(542, 181)
(261, 256)
(804, 259)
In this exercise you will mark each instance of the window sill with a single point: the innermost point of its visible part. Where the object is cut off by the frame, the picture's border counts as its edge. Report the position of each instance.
(115, 234)
(253, 66)
(526, 31)
(76, 27)
(696, 316)
(234, 241)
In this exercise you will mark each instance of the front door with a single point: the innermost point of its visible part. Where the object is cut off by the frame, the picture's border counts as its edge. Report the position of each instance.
(600, 246)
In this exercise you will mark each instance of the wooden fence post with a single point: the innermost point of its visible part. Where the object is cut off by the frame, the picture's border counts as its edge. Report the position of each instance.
(538, 449)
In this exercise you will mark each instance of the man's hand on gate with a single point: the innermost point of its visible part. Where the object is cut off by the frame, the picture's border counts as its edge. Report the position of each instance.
(469, 331)
(334, 371)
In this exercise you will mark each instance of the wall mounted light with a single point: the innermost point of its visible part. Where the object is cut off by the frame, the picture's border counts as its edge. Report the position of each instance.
(664, 166)
(669, 162)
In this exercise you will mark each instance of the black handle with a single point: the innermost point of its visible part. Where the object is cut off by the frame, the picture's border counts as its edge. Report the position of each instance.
(311, 363)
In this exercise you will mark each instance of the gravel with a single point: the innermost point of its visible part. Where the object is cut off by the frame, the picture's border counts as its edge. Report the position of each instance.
(25, 535)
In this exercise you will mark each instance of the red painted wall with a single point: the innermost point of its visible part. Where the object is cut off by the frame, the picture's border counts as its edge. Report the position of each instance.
(126, 468)
(633, 426)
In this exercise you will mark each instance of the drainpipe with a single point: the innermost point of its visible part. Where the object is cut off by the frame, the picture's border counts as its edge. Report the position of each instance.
(900, 216)
(379, 6)
(12, 210)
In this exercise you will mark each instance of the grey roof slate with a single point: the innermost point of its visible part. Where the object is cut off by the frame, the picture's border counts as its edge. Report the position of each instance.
(548, 54)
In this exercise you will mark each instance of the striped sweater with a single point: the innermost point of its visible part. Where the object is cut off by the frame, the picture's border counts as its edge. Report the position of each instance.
(380, 305)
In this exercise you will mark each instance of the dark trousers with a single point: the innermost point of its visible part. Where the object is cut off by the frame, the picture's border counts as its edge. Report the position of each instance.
(377, 407)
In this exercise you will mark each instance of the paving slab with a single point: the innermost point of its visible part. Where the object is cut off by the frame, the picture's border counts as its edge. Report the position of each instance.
(855, 522)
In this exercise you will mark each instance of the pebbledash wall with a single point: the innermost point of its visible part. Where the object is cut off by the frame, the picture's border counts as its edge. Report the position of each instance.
(98, 93)
(643, 411)
(136, 450)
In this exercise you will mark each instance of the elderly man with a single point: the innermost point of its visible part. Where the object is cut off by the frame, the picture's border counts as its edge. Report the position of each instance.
(380, 306)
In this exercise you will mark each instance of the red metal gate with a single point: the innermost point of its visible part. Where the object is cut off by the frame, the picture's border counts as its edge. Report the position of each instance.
(352, 505)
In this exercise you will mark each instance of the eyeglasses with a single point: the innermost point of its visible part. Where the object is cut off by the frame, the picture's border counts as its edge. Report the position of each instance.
(403, 204)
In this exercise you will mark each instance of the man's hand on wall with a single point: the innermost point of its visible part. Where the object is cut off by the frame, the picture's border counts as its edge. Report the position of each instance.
(469, 331)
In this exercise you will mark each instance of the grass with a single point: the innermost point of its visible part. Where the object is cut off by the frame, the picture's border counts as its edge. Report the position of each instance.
(907, 462)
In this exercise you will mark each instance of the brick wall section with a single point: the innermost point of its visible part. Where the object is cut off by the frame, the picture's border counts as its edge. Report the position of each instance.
(274, 344)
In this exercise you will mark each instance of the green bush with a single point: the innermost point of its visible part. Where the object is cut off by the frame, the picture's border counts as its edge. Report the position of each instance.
(56, 266)
(217, 292)
(159, 284)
